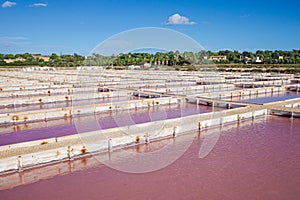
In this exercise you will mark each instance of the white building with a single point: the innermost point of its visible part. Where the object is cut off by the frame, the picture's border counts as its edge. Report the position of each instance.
(90, 68)
(280, 57)
(257, 60)
(132, 67)
(14, 60)
(44, 58)
(217, 58)
(30, 69)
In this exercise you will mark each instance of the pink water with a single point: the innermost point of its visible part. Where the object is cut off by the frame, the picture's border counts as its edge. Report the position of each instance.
(56, 128)
(62, 104)
(266, 98)
(257, 159)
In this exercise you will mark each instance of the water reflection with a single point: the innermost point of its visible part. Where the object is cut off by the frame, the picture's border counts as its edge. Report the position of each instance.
(254, 159)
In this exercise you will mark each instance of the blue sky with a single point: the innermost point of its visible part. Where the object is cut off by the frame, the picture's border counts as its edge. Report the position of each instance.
(71, 26)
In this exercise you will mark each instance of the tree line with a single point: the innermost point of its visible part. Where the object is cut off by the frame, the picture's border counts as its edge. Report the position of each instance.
(53, 60)
(195, 58)
(158, 59)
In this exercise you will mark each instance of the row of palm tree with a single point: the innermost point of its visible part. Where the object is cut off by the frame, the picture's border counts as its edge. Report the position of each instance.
(169, 59)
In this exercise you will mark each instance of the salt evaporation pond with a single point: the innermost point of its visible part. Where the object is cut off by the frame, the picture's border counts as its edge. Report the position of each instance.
(255, 159)
(63, 127)
(273, 98)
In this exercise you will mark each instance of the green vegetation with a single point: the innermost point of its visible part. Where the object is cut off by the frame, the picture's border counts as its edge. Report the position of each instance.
(65, 60)
(269, 61)
(28, 59)
(169, 59)
(200, 58)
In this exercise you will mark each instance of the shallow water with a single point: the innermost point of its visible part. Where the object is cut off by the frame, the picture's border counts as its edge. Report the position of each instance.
(273, 98)
(62, 104)
(255, 159)
(266, 98)
(56, 128)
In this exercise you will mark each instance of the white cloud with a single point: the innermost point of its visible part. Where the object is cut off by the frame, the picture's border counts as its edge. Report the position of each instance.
(178, 19)
(8, 4)
(39, 5)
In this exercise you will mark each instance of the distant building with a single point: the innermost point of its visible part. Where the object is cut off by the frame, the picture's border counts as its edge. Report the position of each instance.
(46, 68)
(217, 58)
(14, 60)
(132, 67)
(44, 58)
(246, 59)
(257, 60)
(29, 69)
(280, 57)
(146, 65)
(90, 68)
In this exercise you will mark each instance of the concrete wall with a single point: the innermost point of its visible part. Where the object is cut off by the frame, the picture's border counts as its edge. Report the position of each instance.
(10, 180)
(294, 105)
(19, 156)
(53, 99)
(244, 92)
(41, 91)
(55, 113)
